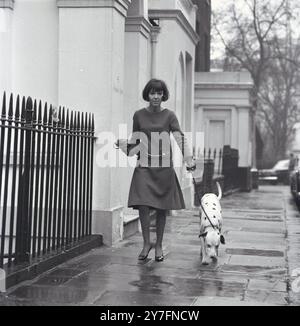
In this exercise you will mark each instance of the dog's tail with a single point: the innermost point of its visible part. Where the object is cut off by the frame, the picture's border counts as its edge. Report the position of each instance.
(219, 190)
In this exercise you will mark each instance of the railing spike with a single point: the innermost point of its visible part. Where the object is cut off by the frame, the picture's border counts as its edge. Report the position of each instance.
(63, 117)
(3, 98)
(59, 115)
(29, 104)
(10, 108)
(71, 121)
(34, 111)
(75, 125)
(29, 110)
(78, 121)
(67, 119)
(45, 117)
(82, 121)
(86, 122)
(4, 106)
(17, 113)
(23, 109)
(90, 122)
(40, 112)
(50, 115)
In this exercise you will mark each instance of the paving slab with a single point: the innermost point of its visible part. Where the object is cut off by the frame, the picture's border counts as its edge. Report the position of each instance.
(247, 260)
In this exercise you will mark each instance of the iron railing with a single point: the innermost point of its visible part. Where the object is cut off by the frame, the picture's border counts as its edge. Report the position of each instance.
(216, 156)
(230, 168)
(218, 163)
(46, 173)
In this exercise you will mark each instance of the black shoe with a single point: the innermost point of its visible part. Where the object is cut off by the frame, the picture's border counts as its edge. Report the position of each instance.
(143, 257)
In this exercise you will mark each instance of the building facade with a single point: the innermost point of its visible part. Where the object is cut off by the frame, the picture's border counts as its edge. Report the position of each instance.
(223, 111)
(96, 56)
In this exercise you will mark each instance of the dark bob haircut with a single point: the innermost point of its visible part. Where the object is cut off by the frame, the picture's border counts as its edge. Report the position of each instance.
(156, 85)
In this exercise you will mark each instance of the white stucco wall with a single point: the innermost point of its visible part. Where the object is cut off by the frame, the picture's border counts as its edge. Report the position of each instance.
(5, 49)
(35, 49)
(173, 44)
(91, 78)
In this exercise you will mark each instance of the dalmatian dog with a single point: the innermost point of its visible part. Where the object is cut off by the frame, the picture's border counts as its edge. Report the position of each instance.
(211, 226)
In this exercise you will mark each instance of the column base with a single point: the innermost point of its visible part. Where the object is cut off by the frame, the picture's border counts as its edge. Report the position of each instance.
(110, 224)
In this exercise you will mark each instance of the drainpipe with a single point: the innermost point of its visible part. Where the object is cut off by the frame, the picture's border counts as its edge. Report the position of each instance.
(155, 30)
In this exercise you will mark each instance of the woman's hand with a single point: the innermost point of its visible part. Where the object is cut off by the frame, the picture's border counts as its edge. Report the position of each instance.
(122, 144)
(190, 164)
(128, 149)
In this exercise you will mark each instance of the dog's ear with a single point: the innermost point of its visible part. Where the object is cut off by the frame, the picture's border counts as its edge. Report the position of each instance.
(203, 235)
(222, 239)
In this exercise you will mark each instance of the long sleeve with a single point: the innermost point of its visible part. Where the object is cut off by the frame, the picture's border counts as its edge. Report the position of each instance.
(132, 148)
(135, 125)
(180, 137)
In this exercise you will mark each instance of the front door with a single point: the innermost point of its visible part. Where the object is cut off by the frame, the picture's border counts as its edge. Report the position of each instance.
(216, 134)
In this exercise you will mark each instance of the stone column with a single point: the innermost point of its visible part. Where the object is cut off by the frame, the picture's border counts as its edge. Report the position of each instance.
(155, 30)
(91, 79)
(244, 134)
(6, 14)
(137, 73)
(234, 127)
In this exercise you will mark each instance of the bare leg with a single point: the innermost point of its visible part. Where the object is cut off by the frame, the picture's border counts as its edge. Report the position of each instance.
(145, 224)
(160, 228)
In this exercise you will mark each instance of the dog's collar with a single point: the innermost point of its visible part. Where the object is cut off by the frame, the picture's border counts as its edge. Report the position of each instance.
(222, 239)
(209, 226)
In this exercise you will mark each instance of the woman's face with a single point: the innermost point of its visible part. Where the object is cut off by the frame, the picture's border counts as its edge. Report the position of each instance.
(155, 98)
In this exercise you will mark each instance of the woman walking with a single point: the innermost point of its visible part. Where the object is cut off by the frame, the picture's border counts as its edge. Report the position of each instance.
(154, 183)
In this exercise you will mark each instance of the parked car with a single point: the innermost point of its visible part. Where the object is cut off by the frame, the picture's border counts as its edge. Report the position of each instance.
(279, 173)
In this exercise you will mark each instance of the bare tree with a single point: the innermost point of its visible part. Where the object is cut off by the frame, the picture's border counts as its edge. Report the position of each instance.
(247, 28)
(279, 93)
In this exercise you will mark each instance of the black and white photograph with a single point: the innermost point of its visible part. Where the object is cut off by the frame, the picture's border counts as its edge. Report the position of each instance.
(149, 155)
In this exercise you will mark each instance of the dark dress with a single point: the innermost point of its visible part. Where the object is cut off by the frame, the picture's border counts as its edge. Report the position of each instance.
(156, 185)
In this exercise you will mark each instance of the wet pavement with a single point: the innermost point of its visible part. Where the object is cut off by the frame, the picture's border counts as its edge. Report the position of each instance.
(255, 267)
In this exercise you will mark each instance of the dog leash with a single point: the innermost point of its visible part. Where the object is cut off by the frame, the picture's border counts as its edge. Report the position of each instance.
(198, 197)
